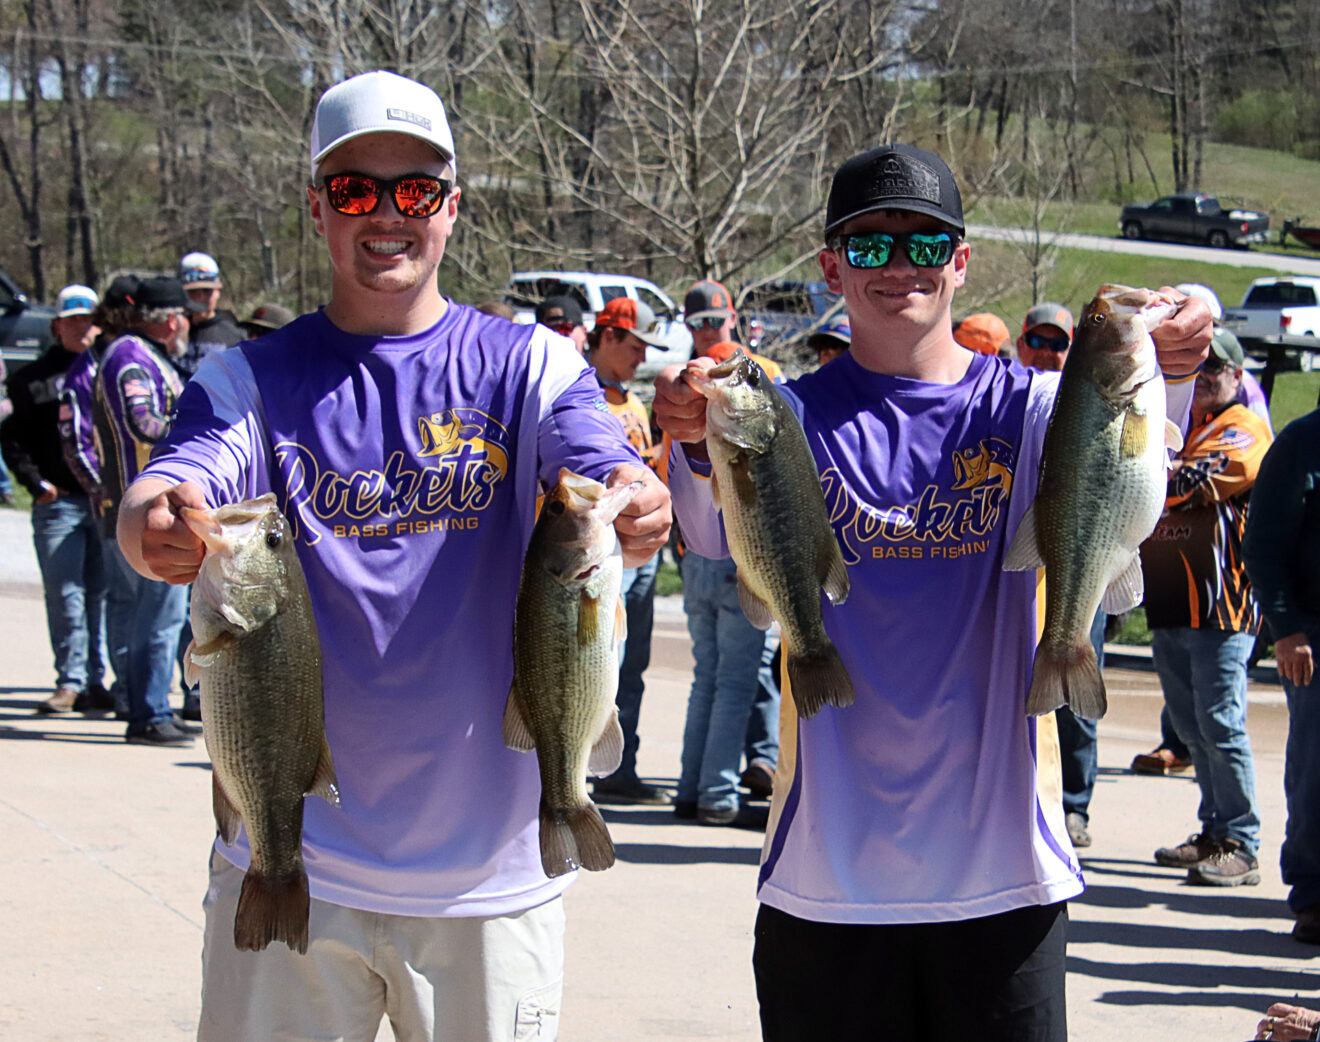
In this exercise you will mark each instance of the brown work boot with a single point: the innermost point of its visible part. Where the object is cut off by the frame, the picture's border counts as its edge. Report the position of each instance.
(1160, 761)
(1190, 854)
(60, 702)
(1234, 865)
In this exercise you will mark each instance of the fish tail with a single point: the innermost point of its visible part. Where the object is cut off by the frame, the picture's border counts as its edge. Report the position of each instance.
(1067, 675)
(818, 679)
(574, 837)
(272, 908)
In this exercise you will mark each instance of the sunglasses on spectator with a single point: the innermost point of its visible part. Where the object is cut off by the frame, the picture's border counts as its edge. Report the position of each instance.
(874, 249)
(562, 328)
(1215, 364)
(1038, 342)
(710, 322)
(356, 195)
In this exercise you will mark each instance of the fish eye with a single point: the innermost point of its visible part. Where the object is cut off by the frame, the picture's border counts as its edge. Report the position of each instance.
(754, 375)
(554, 508)
(1097, 318)
(273, 538)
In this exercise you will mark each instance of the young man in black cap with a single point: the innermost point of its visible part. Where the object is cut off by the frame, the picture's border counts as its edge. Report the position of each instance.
(564, 316)
(912, 858)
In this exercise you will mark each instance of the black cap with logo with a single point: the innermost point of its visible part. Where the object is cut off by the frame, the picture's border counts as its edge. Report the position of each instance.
(556, 311)
(893, 177)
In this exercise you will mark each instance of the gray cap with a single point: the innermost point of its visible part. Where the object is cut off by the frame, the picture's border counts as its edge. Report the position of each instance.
(1226, 346)
(379, 102)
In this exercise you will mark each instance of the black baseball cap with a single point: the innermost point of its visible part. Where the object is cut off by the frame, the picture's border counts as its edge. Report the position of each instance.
(893, 177)
(559, 311)
(161, 291)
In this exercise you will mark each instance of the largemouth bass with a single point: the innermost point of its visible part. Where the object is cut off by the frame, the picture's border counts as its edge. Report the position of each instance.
(764, 481)
(567, 628)
(256, 653)
(1103, 476)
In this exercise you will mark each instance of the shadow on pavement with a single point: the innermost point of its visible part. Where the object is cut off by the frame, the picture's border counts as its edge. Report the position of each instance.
(82, 737)
(26, 691)
(1195, 975)
(1240, 942)
(664, 854)
(1196, 900)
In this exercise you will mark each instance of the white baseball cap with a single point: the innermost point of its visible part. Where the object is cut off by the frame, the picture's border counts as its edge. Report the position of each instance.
(199, 271)
(1195, 289)
(379, 101)
(76, 300)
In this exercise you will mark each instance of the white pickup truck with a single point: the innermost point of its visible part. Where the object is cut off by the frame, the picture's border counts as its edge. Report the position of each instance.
(1286, 306)
(591, 290)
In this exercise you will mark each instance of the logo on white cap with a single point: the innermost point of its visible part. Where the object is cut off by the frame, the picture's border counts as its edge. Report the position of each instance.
(379, 101)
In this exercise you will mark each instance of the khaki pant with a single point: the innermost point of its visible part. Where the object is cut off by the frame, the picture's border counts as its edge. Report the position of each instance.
(438, 980)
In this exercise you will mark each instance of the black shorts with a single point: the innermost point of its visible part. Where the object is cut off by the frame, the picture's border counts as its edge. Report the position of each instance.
(996, 979)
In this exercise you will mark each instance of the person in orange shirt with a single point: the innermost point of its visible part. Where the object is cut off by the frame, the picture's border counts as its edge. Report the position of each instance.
(616, 346)
(1204, 617)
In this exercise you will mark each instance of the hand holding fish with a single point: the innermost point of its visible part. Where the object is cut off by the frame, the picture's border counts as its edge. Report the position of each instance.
(168, 547)
(1182, 340)
(643, 525)
(679, 409)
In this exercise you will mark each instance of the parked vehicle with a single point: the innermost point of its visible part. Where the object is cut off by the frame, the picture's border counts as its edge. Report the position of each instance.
(24, 327)
(1287, 305)
(592, 291)
(779, 315)
(1192, 217)
(1307, 235)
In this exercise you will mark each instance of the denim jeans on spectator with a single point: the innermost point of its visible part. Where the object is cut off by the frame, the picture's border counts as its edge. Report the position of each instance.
(1078, 747)
(638, 589)
(119, 611)
(1300, 857)
(762, 741)
(73, 574)
(1204, 676)
(727, 650)
(153, 643)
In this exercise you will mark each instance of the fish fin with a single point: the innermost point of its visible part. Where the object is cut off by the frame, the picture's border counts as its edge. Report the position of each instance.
(272, 908)
(1127, 590)
(1173, 438)
(589, 618)
(204, 655)
(1067, 676)
(820, 679)
(607, 753)
(192, 669)
(620, 622)
(227, 817)
(324, 782)
(757, 611)
(715, 493)
(574, 837)
(1136, 434)
(1024, 551)
(836, 583)
(517, 735)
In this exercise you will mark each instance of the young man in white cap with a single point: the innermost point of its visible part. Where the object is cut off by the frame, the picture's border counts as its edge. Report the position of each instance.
(64, 529)
(211, 329)
(911, 857)
(406, 437)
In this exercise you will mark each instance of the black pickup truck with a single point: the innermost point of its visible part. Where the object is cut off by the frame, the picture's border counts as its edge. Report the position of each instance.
(24, 327)
(1192, 217)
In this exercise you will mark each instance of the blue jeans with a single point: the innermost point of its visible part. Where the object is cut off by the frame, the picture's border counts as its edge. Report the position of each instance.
(1204, 676)
(762, 741)
(727, 650)
(119, 609)
(1078, 748)
(68, 545)
(1300, 857)
(153, 642)
(638, 590)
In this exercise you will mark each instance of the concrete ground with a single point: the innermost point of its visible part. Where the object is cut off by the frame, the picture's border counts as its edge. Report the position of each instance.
(103, 868)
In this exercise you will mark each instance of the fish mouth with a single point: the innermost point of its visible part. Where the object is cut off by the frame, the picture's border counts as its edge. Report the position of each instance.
(587, 573)
(1149, 306)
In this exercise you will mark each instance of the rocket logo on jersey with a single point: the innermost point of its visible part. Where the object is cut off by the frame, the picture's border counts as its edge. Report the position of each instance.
(461, 457)
(950, 518)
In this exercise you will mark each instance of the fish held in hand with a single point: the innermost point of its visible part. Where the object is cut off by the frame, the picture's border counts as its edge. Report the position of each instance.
(765, 483)
(1103, 479)
(256, 654)
(568, 625)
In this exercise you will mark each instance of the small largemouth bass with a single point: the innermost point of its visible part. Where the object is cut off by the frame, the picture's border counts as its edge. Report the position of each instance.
(765, 483)
(256, 652)
(567, 628)
(1103, 478)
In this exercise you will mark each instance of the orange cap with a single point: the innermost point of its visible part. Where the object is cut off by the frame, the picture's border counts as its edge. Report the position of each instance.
(983, 333)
